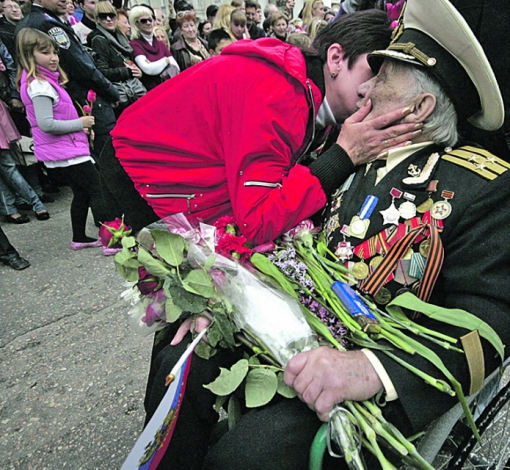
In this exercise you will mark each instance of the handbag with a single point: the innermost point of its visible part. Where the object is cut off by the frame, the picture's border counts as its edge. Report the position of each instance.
(129, 90)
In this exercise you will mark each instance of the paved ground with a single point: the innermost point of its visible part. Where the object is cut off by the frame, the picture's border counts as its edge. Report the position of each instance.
(72, 373)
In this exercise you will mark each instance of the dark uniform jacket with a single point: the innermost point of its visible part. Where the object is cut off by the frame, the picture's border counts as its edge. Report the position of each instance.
(7, 36)
(476, 268)
(78, 64)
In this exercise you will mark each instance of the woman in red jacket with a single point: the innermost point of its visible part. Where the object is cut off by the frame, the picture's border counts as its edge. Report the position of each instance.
(227, 136)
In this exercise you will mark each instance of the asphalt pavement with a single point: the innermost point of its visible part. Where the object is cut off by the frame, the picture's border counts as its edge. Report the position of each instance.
(72, 372)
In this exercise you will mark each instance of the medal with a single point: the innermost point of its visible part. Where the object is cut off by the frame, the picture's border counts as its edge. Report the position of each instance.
(383, 297)
(392, 214)
(402, 275)
(442, 209)
(360, 223)
(424, 248)
(344, 249)
(339, 194)
(427, 204)
(375, 261)
(407, 210)
(417, 265)
(360, 270)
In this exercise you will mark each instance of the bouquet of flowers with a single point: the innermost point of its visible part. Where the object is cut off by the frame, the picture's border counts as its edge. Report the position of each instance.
(279, 299)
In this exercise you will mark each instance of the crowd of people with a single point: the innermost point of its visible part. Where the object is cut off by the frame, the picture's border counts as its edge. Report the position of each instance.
(126, 53)
(358, 115)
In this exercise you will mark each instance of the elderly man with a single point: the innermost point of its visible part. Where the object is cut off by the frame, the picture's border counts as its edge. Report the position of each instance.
(437, 209)
(455, 194)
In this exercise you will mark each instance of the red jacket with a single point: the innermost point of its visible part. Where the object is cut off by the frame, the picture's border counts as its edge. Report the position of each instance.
(224, 136)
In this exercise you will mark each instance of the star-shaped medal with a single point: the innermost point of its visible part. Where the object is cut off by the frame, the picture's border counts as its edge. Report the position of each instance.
(390, 215)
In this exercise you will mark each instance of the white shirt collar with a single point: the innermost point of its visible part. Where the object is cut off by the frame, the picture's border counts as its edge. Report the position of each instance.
(325, 116)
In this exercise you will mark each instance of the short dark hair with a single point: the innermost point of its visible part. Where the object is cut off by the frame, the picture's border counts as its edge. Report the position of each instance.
(358, 33)
(250, 4)
(216, 36)
(211, 10)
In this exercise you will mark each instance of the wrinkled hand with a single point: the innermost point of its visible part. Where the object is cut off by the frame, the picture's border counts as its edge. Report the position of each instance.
(193, 324)
(365, 140)
(324, 377)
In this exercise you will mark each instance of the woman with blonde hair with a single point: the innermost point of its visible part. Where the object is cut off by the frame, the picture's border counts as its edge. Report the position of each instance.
(160, 33)
(222, 19)
(279, 25)
(312, 8)
(315, 25)
(152, 56)
(114, 54)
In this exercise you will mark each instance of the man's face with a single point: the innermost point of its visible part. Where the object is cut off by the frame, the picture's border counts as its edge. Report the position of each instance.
(386, 91)
(258, 17)
(342, 93)
(251, 14)
(88, 8)
(290, 4)
(221, 45)
(58, 7)
(12, 11)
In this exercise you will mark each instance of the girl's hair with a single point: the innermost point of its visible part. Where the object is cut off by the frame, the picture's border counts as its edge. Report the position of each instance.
(314, 27)
(27, 41)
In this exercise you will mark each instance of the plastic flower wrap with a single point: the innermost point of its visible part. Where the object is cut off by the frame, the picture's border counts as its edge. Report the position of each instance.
(271, 316)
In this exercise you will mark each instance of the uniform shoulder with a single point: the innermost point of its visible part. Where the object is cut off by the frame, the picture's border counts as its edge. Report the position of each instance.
(478, 160)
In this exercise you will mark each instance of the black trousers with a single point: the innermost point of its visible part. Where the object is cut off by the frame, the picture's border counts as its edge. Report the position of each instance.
(7, 251)
(275, 437)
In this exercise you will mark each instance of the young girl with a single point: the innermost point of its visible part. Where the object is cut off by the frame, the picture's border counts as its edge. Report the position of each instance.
(60, 136)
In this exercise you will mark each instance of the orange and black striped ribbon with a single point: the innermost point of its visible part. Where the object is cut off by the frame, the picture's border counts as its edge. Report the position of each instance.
(379, 277)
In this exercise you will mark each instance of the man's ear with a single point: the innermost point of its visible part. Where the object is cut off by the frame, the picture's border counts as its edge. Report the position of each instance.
(335, 57)
(424, 106)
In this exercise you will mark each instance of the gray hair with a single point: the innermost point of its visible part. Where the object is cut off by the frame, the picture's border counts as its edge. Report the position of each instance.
(441, 125)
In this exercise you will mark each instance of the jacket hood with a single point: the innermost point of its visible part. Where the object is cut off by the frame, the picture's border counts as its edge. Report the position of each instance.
(282, 55)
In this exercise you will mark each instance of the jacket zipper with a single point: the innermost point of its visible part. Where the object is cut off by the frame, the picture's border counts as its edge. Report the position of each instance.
(189, 197)
(313, 123)
(264, 184)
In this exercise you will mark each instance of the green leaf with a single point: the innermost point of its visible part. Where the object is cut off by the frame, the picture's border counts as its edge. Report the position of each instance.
(203, 350)
(199, 282)
(264, 265)
(229, 380)
(221, 331)
(127, 265)
(283, 389)
(187, 301)
(173, 312)
(454, 316)
(169, 246)
(128, 242)
(220, 400)
(234, 412)
(155, 266)
(261, 386)
(254, 361)
(210, 261)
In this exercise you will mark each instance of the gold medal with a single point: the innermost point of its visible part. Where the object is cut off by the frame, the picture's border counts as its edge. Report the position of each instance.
(383, 297)
(424, 248)
(375, 261)
(425, 206)
(408, 254)
(360, 270)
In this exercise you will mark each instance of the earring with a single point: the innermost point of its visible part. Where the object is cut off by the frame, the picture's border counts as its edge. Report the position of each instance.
(333, 75)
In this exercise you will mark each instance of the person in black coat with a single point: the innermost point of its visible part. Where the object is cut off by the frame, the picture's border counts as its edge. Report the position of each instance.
(112, 53)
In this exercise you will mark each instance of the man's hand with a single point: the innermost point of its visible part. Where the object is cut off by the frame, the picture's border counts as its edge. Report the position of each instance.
(324, 377)
(364, 141)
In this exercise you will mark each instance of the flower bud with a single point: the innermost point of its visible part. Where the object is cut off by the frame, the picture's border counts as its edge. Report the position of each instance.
(91, 96)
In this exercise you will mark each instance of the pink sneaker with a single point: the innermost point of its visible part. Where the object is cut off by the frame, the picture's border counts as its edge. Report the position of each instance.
(110, 251)
(81, 245)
